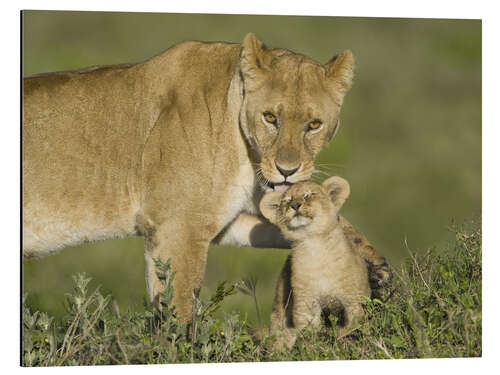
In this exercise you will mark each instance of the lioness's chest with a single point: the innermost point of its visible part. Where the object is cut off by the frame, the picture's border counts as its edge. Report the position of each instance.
(241, 193)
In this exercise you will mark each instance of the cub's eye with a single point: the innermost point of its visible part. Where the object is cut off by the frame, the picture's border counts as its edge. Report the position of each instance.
(307, 195)
(314, 125)
(270, 118)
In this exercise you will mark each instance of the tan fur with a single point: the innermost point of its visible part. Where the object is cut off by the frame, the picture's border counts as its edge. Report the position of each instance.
(323, 274)
(174, 148)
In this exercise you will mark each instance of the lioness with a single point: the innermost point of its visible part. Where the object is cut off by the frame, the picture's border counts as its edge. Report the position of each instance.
(323, 275)
(134, 149)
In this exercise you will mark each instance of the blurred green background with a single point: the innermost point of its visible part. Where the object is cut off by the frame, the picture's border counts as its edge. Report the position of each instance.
(409, 143)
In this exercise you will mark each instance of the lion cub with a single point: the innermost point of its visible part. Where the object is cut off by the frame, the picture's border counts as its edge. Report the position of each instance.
(323, 275)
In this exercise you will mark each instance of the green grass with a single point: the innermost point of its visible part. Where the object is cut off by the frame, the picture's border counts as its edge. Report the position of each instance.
(432, 310)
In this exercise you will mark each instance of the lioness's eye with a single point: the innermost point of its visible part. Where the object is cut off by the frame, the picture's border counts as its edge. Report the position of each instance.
(270, 118)
(314, 125)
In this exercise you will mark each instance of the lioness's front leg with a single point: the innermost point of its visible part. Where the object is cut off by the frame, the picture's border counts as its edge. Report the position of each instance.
(256, 231)
(252, 230)
(188, 252)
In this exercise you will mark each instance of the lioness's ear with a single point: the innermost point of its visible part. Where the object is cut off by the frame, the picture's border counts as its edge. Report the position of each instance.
(340, 70)
(269, 205)
(252, 60)
(338, 190)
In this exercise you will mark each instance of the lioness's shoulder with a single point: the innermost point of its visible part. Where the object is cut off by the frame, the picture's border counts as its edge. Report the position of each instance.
(197, 55)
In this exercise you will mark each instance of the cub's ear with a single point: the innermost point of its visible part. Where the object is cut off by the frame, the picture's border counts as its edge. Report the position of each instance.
(269, 205)
(253, 63)
(340, 71)
(338, 190)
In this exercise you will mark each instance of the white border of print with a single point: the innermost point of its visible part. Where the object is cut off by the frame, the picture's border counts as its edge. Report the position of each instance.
(10, 148)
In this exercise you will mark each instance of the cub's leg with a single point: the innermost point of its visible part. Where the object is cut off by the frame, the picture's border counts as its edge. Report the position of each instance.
(353, 313)
(281, 315)
(306, 311)
(188, 253)
(379, 272)
(281, 322)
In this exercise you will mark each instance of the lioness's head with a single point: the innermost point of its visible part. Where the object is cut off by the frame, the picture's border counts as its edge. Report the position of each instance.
(290, 109)
(306, 208)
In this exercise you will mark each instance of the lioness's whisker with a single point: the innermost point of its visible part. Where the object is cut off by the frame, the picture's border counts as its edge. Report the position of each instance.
(329, 167)
(320, 172)
(260, 176)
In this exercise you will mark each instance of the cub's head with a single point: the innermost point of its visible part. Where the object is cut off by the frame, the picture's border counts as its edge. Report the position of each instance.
(290, 109)
(306, 208)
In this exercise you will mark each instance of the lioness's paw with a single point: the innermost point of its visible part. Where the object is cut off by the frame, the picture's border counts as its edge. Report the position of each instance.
(379, 275)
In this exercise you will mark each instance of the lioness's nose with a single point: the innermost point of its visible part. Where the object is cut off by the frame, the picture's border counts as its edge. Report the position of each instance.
(296, 205)
(286, 172)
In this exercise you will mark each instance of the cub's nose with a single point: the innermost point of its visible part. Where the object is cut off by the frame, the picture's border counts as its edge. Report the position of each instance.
(286, 172)
(296, 205)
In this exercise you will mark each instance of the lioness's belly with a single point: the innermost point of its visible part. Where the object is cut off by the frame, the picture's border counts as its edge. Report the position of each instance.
(66, 204)
(46, 231)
